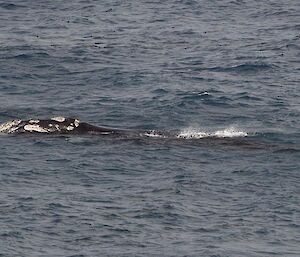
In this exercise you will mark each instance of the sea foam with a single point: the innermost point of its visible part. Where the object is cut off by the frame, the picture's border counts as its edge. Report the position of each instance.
(193, 133)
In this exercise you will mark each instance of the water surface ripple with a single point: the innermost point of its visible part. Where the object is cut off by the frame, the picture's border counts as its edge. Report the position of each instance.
(214, 67)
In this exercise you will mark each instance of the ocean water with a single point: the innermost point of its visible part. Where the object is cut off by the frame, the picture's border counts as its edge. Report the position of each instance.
(224, 74)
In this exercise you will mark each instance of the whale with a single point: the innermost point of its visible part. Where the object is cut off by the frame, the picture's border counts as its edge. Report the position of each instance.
(71, 126)
(64, 127)
(56, 125)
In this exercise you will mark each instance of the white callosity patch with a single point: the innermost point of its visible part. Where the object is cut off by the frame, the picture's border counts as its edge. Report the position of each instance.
(53, 128)
(59, 119)
(70, 128)
(34, 121)
(76, 123)
(10, 126)
(35, 128)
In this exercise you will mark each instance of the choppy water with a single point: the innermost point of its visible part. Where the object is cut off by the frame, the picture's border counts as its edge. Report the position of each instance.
(225, 74)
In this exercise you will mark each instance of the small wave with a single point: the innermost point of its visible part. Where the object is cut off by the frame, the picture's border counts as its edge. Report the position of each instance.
(192, 133)
(244, 68)
(25, 56)
(9, 6)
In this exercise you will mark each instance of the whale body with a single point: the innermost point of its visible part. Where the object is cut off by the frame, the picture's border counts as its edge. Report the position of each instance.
(55, 125)
(71, 126)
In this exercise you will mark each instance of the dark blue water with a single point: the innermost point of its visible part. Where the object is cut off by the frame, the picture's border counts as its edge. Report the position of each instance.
(226, 74)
